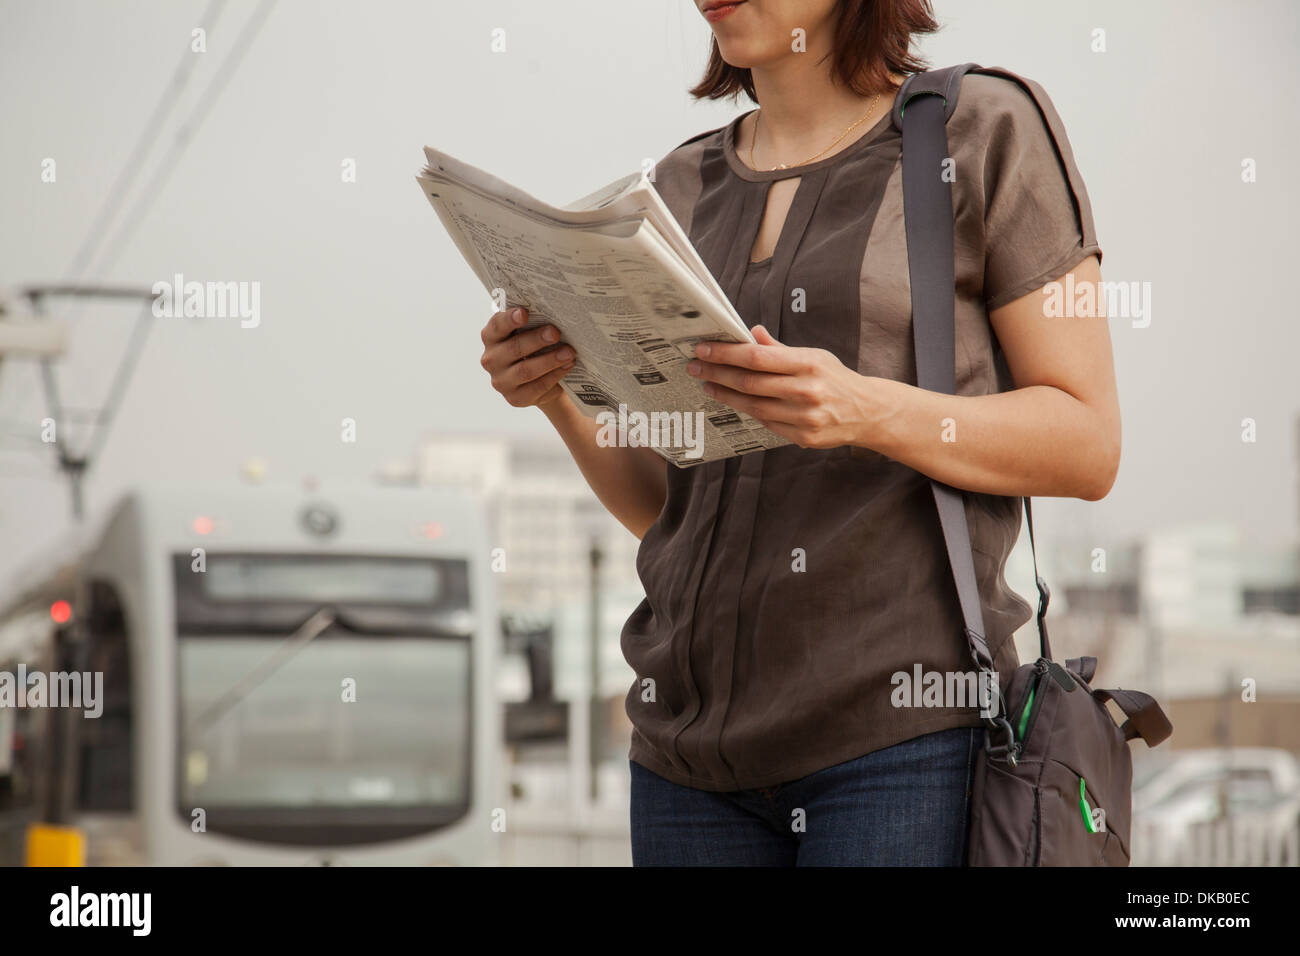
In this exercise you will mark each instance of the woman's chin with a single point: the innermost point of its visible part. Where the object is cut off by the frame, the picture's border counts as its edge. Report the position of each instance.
(745, 56)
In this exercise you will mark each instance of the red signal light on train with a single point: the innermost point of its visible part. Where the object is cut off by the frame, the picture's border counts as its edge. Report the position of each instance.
(203, 525)
(431, 529)
(60, 612)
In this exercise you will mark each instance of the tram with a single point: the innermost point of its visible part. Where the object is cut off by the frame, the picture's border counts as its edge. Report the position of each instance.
(280, 678)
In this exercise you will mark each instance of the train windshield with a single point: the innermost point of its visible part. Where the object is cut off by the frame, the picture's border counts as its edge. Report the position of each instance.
(323, 700)
(288, 579)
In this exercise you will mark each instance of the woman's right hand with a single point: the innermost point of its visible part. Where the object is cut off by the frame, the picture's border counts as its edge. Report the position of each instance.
(520, 368)
(526, 367)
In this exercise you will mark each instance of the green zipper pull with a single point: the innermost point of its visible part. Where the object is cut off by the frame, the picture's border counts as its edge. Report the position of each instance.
(1084, 808)
(1024, 714)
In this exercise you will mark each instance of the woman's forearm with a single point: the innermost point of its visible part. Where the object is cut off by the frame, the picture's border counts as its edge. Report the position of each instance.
(1036, 441)
(632, 483)
(527, 366)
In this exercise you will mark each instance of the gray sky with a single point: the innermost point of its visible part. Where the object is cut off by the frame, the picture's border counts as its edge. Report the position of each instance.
(367, 311)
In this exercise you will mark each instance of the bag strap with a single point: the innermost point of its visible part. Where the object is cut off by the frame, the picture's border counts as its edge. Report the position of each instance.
(1044, 592)
(1084, 667)
(1145, 717)
(928, 221)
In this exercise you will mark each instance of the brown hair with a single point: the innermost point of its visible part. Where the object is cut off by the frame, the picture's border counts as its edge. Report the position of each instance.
(873, 39)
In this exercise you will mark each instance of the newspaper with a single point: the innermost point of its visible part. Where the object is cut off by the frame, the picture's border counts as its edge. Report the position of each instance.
(617, 275)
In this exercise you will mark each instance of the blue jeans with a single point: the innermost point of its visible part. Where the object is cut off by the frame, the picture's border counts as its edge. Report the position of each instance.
(906, 805)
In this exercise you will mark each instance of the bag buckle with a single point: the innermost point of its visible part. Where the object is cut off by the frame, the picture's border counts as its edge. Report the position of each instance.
(1009, 749)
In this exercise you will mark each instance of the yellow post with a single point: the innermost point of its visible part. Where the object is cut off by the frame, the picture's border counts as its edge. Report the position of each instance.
(49, 845)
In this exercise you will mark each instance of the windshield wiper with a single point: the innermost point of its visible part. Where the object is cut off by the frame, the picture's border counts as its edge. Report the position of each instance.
(307, 632)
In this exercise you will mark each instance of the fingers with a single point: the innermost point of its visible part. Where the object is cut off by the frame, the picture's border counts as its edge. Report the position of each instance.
(526, 366)
(540, 389)
(750, 382)
(770, 357)
(520, 346)
(532, 369)
(506, 345)
(764, 409)
(502, 324)
(502, 331)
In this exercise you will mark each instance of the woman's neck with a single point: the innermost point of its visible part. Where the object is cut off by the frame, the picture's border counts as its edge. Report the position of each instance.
(804, 106)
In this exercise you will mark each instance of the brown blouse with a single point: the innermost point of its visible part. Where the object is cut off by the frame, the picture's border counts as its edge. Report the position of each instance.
(784, 588)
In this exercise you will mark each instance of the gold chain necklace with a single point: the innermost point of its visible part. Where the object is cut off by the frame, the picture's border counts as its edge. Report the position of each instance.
(835, 143)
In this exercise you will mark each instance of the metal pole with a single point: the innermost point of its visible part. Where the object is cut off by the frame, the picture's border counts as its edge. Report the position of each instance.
(596, 724)
(65, 732)
(74, 466)
(75, 473)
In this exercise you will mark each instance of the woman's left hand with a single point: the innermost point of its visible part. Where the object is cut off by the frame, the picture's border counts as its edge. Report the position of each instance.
(805, 395)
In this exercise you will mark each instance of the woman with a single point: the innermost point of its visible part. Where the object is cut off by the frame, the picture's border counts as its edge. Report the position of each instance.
(790, 592)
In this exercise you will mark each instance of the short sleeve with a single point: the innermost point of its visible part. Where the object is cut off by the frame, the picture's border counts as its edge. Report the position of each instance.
(1037, 216)
(679, 180)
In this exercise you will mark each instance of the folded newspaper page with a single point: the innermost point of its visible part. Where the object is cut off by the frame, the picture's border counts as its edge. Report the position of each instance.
(617, 275)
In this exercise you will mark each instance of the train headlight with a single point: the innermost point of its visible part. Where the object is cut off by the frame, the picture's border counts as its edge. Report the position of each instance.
(319, 520)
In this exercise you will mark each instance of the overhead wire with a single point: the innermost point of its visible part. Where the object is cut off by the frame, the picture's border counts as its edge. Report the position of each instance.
(185, 135)
(188, 130)
(135, 159)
